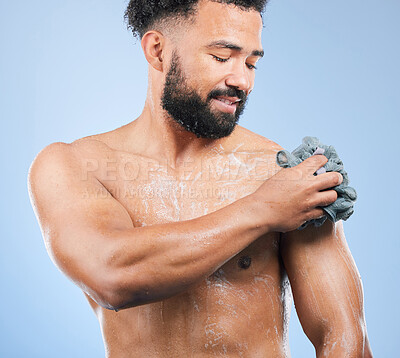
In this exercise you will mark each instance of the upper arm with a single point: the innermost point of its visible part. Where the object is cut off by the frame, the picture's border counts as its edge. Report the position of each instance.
(326, 287)
(76, 214)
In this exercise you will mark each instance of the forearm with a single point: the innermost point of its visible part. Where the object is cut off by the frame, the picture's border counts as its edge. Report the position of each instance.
(152, 263)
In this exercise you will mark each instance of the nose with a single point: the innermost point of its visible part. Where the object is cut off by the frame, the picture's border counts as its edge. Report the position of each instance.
(240, 78)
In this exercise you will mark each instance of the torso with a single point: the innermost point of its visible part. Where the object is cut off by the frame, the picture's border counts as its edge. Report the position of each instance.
(239, 311)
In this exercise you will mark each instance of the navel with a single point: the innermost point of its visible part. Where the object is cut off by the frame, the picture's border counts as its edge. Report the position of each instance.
(244, 262)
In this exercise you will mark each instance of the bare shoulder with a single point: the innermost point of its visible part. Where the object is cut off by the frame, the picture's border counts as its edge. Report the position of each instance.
(51, 167)
(115, 140)
(58, 162)
(255, 142)
(259, 152)
(50, 160)
(62, 156)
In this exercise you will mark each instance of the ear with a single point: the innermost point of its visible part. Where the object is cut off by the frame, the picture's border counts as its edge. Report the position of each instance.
(153, 45)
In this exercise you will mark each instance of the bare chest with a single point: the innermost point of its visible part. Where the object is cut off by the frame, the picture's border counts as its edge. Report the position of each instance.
(153, 193)
(210, 318)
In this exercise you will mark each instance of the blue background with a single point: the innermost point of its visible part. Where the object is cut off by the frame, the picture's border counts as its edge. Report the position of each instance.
(70, 69)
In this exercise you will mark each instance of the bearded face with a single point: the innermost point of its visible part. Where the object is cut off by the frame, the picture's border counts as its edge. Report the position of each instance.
(185, 105)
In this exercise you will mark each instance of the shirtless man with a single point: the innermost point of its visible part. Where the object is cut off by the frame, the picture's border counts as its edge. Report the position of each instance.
(179, 227)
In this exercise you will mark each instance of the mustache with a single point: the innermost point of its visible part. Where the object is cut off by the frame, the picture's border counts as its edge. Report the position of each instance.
(229, 92)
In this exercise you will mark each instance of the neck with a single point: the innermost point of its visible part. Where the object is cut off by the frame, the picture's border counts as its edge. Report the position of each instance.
(166, 140)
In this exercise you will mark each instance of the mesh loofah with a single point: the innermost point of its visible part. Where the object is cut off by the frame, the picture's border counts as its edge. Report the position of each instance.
(343, 207)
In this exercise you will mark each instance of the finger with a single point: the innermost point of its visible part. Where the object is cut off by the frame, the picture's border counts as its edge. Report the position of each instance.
(325, 198)
(316, 213)
(327, 180)
(312, 164)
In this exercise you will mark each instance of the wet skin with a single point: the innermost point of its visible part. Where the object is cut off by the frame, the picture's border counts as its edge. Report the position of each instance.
(241, 309)
(166, 228)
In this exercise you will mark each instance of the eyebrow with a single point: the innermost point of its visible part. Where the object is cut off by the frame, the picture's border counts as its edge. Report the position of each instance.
(232, 46)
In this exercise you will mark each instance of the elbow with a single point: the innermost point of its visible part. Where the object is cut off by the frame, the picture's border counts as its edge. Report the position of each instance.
(103, 291)
(110, 282)
(116, 291)
(110, 299)
(118, 285)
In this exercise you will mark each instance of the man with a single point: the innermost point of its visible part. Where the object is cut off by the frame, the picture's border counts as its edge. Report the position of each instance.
(179, 227)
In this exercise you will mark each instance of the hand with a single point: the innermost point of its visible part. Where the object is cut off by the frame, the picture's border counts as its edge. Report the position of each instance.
(294, 195)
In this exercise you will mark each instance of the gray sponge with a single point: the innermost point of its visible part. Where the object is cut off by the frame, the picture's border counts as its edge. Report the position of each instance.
(343, 207)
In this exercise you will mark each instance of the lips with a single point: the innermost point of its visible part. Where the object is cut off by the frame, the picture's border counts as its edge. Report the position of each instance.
(227, 104)
(228, 100)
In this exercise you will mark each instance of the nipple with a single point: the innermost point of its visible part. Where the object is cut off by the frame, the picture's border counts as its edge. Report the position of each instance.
(244, 262)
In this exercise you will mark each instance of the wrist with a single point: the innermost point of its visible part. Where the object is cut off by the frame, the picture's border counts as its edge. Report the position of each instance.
(257, 214)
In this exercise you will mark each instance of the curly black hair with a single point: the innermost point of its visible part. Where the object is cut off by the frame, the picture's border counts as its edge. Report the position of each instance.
(140, 15)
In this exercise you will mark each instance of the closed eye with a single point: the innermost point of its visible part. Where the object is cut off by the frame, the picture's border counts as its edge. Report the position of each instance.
(219, 59)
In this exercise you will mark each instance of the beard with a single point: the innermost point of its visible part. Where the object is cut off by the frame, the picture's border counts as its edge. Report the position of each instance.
(186, 107)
